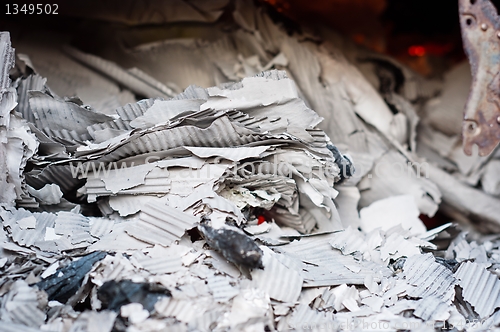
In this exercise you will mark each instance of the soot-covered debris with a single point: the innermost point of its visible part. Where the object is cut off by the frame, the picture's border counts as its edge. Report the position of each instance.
(66, 281)
(236, 247)
(113, 295)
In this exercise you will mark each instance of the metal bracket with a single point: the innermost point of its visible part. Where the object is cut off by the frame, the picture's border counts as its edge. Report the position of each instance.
(480, 25)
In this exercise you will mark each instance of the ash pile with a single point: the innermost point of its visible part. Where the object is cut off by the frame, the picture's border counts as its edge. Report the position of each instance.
(249, 179)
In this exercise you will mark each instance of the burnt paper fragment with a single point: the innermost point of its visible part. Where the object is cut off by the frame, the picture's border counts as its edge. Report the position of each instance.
(66, 281)
(344, 163)
(115, 294)
(234, 246)
(451, 264)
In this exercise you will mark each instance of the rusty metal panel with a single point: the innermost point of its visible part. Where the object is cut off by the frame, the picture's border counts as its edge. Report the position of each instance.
(481, 37)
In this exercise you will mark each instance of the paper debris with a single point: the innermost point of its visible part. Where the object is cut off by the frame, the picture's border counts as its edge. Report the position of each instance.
(278, 280)
(486, 300)
(161, 224)
(102, 321)
(397, 210)
(429, 278)
(134, 312)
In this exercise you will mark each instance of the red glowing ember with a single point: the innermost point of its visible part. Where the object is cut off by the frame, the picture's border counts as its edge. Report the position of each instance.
(416, 50)
(430, 49)
(261, 220)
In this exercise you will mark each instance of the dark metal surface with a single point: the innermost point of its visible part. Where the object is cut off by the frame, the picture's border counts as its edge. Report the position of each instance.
(481, 37)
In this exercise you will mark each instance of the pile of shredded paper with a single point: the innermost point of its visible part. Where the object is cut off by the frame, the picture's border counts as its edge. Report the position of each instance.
(249, 178)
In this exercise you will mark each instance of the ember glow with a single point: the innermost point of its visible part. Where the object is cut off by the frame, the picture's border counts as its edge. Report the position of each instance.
(416, 50)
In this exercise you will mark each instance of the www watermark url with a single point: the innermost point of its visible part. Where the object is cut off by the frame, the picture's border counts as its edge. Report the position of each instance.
(275, 167)
(371, 325)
